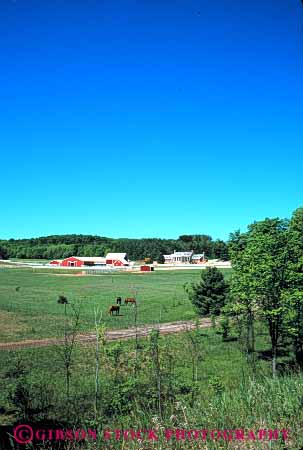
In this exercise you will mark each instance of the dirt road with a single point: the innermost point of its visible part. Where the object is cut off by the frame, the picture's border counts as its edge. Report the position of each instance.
(111, 335)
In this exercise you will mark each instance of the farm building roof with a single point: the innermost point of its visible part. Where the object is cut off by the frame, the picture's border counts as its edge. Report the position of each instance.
(116, 256)
(178, 255)
(198, 256)
(122, 257)
(91, 258)
(183, 253)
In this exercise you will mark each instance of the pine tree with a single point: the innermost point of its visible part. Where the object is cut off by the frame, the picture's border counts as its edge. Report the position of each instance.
(209, 295)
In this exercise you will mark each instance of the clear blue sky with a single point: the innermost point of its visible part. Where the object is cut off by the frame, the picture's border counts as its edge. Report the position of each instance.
(149, 118)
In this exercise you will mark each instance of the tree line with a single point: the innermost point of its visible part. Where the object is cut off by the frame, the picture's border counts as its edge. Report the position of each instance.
(63, 246)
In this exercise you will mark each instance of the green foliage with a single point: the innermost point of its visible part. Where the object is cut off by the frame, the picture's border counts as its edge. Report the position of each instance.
(242, 305)
(267, 280)
(58, 247)
(161, 259)
(213, 321)
(293, 295)
(62, 300)
(225, 327)
(209, 295)
(21, 399)
(220, 250)
(114, 353)
(3, 252)
(216, 385)
(225, 397)
(31, 399)
(122, 395)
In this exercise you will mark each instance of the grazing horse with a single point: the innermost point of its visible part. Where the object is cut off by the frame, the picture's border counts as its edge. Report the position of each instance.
(130, 300)
(114, 308)
(119, 300)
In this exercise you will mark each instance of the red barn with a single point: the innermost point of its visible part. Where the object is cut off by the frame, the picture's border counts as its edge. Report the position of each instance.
(72, 261)
(80, 261)
(117, 259)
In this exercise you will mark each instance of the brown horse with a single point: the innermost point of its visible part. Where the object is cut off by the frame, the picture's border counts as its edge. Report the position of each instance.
(114, 308)
(130, 300)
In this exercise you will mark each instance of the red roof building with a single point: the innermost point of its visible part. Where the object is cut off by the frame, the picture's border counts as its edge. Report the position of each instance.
(56, 262)
(80, 261)
(72, 261)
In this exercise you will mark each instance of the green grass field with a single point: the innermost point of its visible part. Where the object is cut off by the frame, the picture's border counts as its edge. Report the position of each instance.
(32, 311)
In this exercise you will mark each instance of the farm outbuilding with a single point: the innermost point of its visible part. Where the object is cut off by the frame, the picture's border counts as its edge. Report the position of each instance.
(117, 259)
(112, 259)
(56, 262)
(198, 258)
(72, 261)
(80, 261)
(146, 268)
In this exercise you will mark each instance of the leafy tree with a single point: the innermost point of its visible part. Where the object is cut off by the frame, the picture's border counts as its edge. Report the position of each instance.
(203, 243)
(260, 276)
(161, 259)
(220, 250)
(268, 249)
(209, 295)
(225, 327)
(294, 291)
(3, 252)
(186, 238)
(242, 303)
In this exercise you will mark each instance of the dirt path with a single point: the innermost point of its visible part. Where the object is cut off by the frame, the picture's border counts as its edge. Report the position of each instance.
(111, 335)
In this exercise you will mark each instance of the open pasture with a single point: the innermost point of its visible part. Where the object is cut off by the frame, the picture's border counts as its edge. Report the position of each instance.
(29, 307)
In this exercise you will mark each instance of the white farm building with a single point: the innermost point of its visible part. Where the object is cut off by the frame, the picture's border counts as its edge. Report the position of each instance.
(178, 258)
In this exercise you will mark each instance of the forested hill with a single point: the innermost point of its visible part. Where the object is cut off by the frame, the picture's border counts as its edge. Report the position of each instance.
(51, 247)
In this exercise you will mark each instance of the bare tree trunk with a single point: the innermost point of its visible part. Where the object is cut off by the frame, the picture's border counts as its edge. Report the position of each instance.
(251, 339)
(136, 341)
(274, 335)
(156, 363)
(97, 361)
(193, 338)
(274, 361)
(69, 344)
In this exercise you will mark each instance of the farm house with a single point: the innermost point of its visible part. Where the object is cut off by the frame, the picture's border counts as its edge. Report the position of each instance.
(178, 258)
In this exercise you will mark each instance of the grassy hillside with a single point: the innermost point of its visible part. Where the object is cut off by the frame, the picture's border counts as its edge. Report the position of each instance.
(29, 308)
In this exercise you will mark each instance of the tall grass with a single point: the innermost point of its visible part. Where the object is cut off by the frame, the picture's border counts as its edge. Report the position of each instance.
(228, 394)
